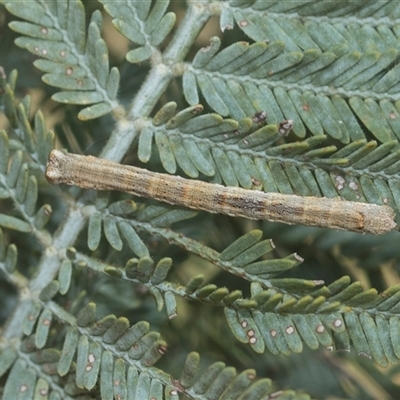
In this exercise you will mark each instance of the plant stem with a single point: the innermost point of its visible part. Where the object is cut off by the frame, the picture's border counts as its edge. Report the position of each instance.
(157, 80)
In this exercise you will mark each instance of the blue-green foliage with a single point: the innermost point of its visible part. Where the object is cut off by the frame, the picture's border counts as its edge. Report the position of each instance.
(304, 101)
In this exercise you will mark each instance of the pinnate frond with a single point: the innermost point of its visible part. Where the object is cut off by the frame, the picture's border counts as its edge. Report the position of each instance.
(304, 84)
(97, 353)
(8, 255)
(142, 24)
(121, 219)
(72, 60)
(340, 316)
(357, 26)
(19, 185)
(35, 140)
(240, 259)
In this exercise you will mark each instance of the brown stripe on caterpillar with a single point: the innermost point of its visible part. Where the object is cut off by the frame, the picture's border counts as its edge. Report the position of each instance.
(94, 173)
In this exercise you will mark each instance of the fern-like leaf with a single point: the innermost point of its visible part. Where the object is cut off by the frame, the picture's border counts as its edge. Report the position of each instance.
(145, 27)
(77, 65)
(292, 82)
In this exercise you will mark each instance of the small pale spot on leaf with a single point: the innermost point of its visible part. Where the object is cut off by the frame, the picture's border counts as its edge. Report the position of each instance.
(243, 23)
(244, 324)
(44, 52)
(339, 179)
(353, 185)
(63, 53)
(252, 340)
(174, 392)
(337, 323)
(69, 71)
(306, 107)
(392, 115)
(273, 332)
(117, 382)
(290, 330)
(88, 368)
(250, 333)
(43, 392)
(44, 31)
(23, 388)
(320, 329)
(91, 358)
(46, 322)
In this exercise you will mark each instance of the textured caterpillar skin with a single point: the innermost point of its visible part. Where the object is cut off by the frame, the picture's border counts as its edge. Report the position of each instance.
(89, 172)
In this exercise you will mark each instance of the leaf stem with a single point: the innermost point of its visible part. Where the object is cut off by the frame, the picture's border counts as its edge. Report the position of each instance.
(157, 80)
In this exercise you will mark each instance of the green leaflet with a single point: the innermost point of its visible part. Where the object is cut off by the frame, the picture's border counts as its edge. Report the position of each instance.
(10, 259)
(223, 379)
(31, 319)
(130, 337)
(134, 242)
(43, 328)
(190, 369)
(161, 270)
(81, 360)
(69, 348)
(102, 325)
(49, 291)
(119, 376)
(119, 327)
(106, 375)
(7, 357)
(112, 233)
(19, 369)
(170, 305)
(194, 284)
(86, 315)
(93, 366)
